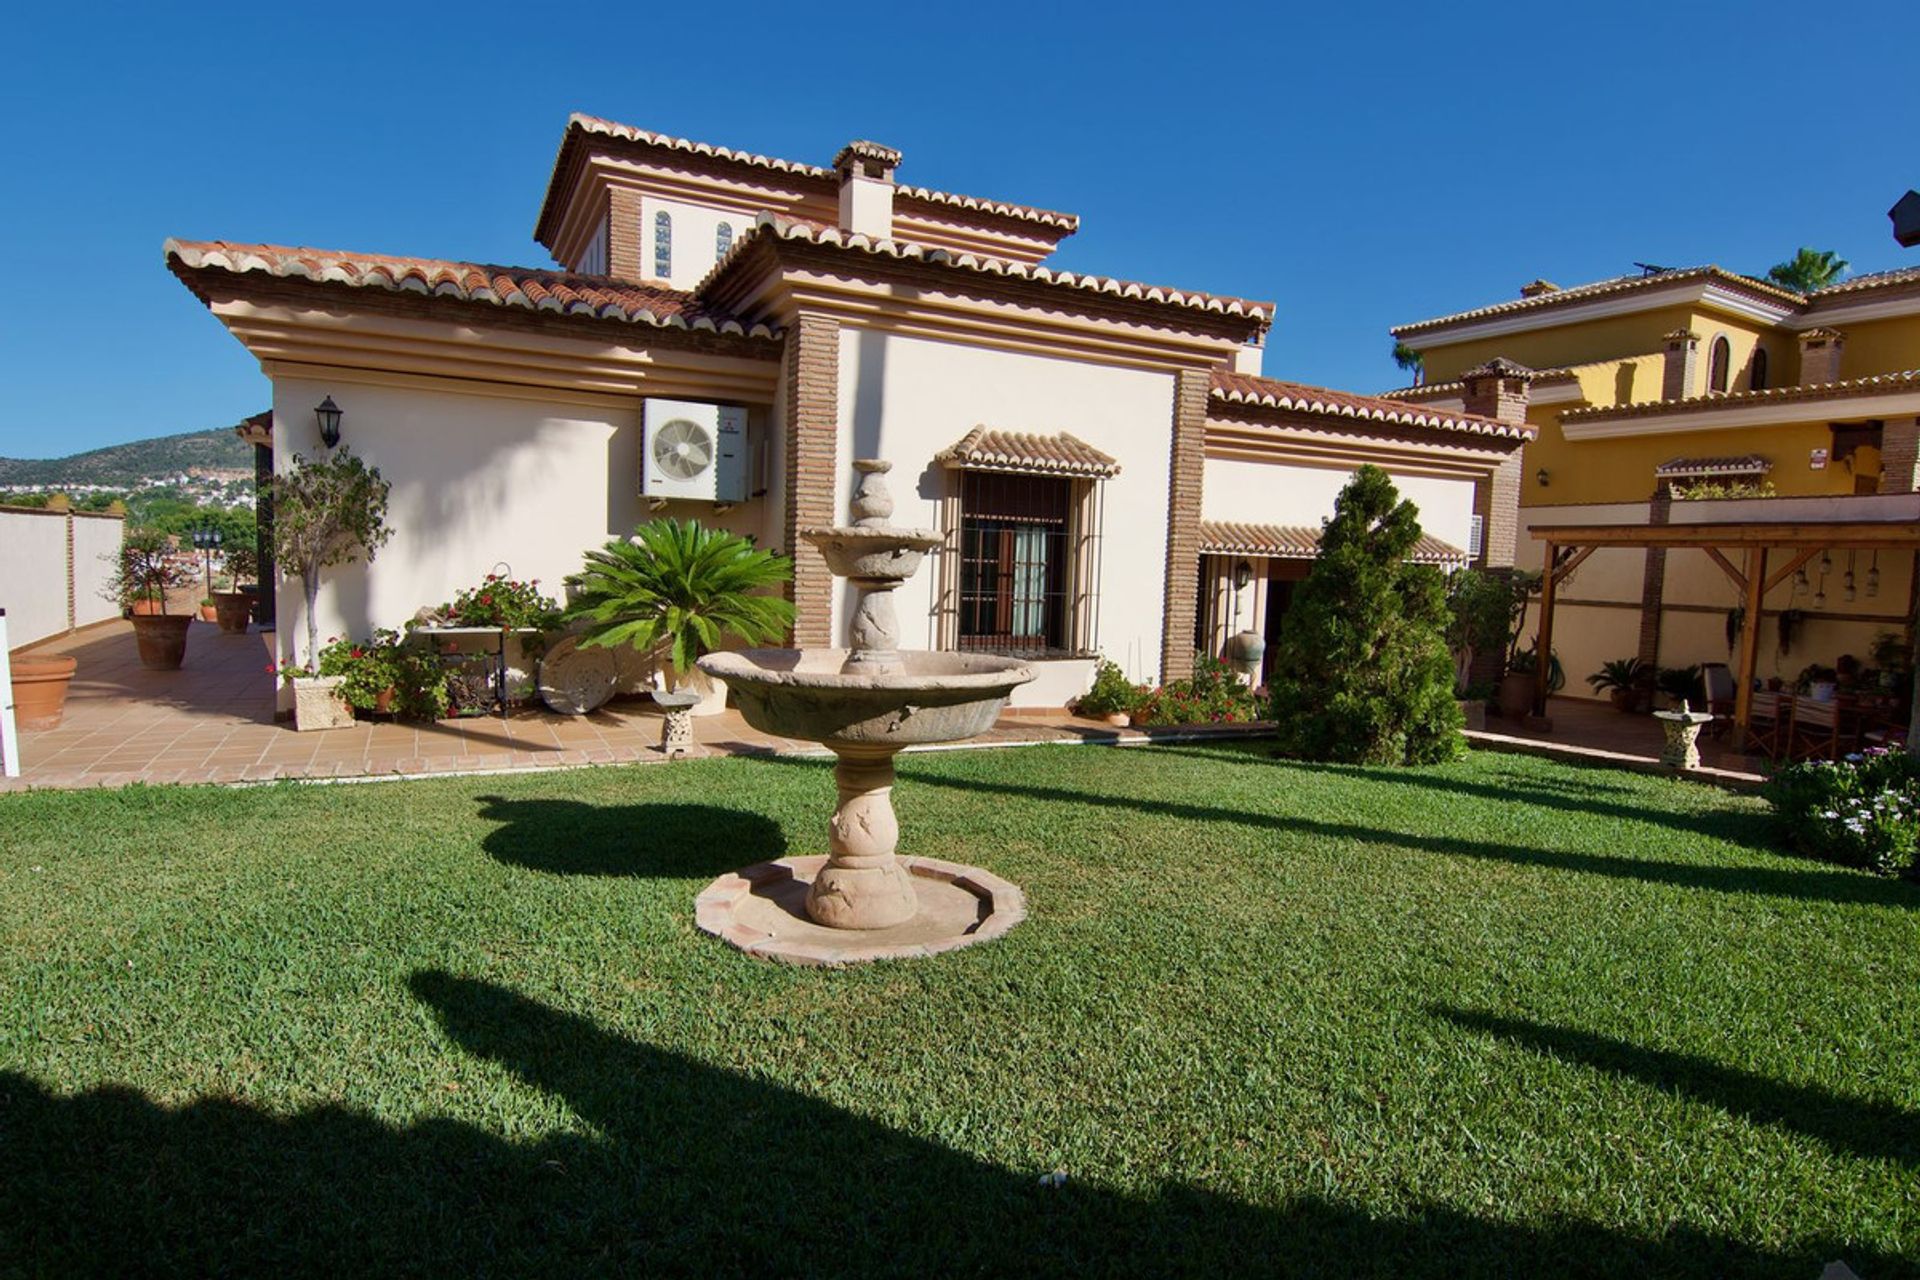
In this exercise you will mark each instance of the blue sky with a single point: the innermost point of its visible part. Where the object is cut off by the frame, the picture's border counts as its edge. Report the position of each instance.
(1361, 165)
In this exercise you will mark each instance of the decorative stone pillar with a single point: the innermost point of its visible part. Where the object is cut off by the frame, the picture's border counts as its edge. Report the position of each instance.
(1683, 351)
(1900, 455)
(812, 432)
(627, 253)
(1820, 351)
(1185, 477)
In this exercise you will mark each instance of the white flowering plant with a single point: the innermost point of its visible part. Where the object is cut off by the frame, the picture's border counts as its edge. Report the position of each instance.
(1863, 811)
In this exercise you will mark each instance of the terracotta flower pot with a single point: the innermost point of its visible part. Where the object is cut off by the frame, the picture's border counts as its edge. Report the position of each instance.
(209, 613)
(162, 639)
(383, 701)
(232, 610)
(1119, 719)
(40, 690)
(1516, 695)
(144, 608)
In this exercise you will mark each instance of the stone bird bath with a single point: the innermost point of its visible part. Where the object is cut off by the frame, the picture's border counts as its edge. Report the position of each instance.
(862, 901)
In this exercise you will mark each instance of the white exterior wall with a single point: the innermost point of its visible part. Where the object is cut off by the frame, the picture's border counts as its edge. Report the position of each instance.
(476, 480)
(1284, 494)
(906, 399)
(34, 572)
(695, 234)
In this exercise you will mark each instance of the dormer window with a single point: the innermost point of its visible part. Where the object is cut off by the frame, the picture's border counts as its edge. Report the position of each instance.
(663, 244)
(722, 240)
(1757, 380)
(1719, 363)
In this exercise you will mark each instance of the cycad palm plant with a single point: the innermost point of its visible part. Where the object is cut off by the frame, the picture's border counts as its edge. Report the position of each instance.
(683, 586)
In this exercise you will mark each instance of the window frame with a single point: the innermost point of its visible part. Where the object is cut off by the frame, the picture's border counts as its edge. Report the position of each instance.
(663, 244)
(1071, 585)
(1719, 365)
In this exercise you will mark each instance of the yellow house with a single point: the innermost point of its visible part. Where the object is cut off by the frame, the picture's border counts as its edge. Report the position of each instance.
(1684, 395)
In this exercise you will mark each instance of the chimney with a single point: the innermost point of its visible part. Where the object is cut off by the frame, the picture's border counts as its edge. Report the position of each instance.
(1498, 390)
(866, 188)
(1537, 288)
(1820, 356)
(1683, 348)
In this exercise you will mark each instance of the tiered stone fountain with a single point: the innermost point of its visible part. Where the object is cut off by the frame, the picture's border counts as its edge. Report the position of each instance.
(862, 901)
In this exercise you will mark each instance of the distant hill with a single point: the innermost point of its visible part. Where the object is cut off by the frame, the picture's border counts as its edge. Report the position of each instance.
(128, 464)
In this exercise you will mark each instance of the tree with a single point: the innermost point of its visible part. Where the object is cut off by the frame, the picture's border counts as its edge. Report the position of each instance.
(1363, 673)
(1808, 269)
(683, 585)
(144, 570)
(327, 513)
(1407, 358)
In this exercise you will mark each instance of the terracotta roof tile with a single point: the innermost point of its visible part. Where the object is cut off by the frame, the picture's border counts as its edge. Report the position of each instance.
(1879, 384)
(985, 449)
(1298, 542)
(1603, 288)
(785, 228)
(1244, 388)
(526, 288)
(1872, 280)
(1444, 390)
(626, 132)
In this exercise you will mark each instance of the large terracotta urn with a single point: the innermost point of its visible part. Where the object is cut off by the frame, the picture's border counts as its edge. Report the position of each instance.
(162, 640)
(232, 610)
(40, 689)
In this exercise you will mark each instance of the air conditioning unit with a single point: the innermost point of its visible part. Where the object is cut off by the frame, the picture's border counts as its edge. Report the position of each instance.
(693, 451)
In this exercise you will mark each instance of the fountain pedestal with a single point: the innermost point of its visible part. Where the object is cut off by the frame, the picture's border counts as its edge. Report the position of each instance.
(863, 885)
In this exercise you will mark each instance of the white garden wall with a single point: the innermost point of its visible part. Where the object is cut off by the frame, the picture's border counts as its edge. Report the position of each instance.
(40, 578)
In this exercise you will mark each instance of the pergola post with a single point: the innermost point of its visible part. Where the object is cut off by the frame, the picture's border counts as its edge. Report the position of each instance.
(1749, 644)
(1543, 645)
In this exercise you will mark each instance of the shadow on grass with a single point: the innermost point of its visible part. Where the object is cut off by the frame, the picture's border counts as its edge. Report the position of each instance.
(1750, 829)
(1811, 884)
(690, 1169)
(567, 837)
(1850, 1126)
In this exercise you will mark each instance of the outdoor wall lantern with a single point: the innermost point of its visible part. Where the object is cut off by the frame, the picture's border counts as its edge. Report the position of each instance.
(1542, 476)
(1242, 575)
(327, 414)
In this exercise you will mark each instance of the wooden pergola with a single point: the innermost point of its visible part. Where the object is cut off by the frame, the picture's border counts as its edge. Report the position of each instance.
(1753, 543)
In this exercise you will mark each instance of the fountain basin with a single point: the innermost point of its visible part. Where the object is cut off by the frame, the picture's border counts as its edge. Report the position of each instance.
(804, 694)
(872, 554)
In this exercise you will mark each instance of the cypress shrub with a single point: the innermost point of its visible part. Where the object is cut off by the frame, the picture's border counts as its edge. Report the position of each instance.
(1363, 674)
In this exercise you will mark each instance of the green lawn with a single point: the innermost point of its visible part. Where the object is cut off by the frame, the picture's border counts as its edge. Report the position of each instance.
(1502, 1017)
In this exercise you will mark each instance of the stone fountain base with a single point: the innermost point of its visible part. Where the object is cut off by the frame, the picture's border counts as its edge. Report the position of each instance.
(762, 910)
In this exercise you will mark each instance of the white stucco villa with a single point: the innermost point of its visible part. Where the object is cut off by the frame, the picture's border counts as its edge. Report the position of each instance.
(1111, 471)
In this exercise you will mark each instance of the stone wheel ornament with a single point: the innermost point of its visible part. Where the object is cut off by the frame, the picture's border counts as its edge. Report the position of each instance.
(575, 680)
(862, 900)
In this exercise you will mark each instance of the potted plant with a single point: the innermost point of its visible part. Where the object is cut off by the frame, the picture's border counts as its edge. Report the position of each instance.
(40, 685)
(1623, 680)
(233, 608)
(1517, 688)
(387, 676)
(681, 589)
(1112, 697)
(144, 570)
(325, 513)
(207, 613)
